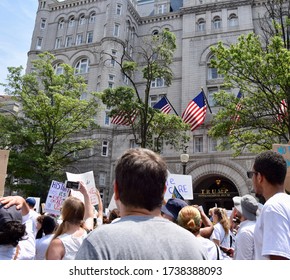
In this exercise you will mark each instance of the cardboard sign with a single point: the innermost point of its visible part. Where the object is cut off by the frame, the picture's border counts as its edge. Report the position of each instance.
(183, 184)
(4, 155)
(55, 198)
(284, 150)
(89, 181)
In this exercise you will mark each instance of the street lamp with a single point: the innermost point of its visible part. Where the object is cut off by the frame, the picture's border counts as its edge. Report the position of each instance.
(184, 158)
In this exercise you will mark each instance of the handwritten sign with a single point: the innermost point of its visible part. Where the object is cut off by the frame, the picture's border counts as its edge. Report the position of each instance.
(284, 150)
(89, 181)
(183, 184)
(55, 198)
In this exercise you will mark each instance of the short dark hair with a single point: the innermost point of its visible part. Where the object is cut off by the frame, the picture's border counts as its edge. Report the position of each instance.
(12, 232)
(272, 166)
(141, 177)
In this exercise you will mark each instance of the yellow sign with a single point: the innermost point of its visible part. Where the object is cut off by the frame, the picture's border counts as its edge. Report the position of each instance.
(284, 150)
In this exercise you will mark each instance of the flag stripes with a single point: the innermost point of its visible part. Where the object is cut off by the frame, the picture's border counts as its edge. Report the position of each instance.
(282, 110)
(195, 112)
(124, 118)
(163, 105)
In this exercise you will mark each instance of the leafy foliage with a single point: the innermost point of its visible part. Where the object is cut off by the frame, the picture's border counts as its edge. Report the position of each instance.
(263, 76)
(153, 59)
(50, 128)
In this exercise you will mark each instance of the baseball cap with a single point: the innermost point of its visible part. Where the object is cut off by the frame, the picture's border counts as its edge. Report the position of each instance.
(31, 201)
(9, 214)
(172, 207)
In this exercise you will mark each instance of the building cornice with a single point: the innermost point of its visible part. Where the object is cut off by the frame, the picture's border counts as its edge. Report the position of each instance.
(72, 4)
(162, 17)
(216, 6)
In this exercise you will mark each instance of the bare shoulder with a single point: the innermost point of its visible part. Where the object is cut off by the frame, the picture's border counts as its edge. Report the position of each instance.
(55, 250)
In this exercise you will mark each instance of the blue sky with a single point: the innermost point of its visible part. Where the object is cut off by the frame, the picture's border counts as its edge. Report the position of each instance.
(16, 27)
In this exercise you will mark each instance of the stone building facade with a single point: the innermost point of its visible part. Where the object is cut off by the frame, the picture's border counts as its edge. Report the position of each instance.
(77, 32)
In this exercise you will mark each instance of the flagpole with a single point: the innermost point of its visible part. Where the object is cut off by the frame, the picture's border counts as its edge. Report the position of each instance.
(206, 100)
(171, 105)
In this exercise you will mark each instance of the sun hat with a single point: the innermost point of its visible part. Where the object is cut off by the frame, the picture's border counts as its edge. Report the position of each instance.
(248, 207)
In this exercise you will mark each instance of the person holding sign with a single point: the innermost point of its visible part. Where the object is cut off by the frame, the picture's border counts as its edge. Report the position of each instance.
(77, 221)
(272, 230)
(141, 233)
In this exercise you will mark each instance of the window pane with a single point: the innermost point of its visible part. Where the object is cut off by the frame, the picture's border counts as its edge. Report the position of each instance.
(119, 9)
(89, 37)
(107, 119)
(105, 148)
(92, 18)
(102, 179)
(116, 30)
(43, 23)
(198, 144)
(212, 145)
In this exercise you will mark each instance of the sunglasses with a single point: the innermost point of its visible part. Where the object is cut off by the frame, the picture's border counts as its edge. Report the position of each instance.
(250, 174)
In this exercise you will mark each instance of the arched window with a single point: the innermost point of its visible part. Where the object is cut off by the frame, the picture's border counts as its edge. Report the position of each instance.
(71, 21)
(58, 69)
(82, 19)
(92, 18)
(82, 66)
(133, 32)
(217, 22)
(201, 24)
(128, 30)
(155, 32)
(212, 72)
(61, 23)
(233, 20)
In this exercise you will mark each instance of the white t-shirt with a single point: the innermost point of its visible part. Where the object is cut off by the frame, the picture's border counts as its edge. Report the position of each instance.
(220, 234)
(244, 242)
(33, 216)
(26, 246)
(213, 251)
(272, 231)
(41, 246)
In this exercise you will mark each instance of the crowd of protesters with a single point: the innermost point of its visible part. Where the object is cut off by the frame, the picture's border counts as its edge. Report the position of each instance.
(145, 227)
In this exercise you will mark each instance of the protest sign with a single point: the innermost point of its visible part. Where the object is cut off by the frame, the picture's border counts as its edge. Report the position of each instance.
(4, 155)
(89, 181)
(55, 198)
(284, 150)
(183, 184)
(112, 204)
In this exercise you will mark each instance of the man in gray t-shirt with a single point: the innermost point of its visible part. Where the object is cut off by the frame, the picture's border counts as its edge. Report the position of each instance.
(141, 233)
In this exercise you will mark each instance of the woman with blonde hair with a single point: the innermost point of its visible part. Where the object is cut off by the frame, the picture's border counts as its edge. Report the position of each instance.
(189, 217)
(221, 233)
(77, 221)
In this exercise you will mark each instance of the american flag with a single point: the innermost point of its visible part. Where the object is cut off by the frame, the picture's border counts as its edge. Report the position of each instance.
(282, 110)
(124, 118)
(163, 105)
(195, 112)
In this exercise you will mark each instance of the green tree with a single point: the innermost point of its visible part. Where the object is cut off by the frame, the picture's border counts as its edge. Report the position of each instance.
(275, 21)
(263, 76)
(153, 59)
(52, 124)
